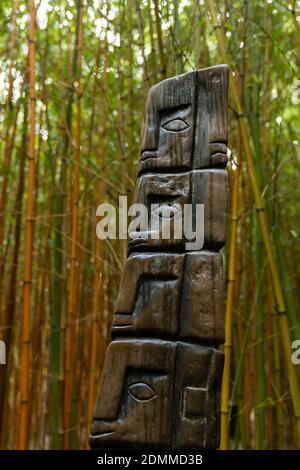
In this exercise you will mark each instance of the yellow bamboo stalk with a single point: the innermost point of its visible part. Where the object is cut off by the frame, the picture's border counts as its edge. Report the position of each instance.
(27, 283)
(263, 220)
(229, 310)
(72, 313)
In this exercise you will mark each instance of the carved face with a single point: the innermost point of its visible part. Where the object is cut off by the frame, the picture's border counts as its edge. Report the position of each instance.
(171, 192)
(185, 129)
(168, 193)
(178, 296)
(150, 387)
(148, 300)
(135, 404)
(178, 136)
(169, 123)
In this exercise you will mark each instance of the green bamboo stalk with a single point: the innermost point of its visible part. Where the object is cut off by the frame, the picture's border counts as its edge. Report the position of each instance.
(263, 220)
(24, 417)
(69, 407)
(278, 385)
(260, 330)
(229, 311)
(59, 294)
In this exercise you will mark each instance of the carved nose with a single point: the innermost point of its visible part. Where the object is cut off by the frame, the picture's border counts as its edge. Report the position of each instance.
(151, 136)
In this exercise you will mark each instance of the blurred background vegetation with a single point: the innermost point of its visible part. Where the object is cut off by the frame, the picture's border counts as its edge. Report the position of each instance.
(74, 76)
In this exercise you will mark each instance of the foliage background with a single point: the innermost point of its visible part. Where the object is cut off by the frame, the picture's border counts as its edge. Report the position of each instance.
(89, 99)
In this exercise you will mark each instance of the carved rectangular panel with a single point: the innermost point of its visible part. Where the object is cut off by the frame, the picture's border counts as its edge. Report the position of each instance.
(210, 147)
(202, 305)
(197, 397)
(210, 187)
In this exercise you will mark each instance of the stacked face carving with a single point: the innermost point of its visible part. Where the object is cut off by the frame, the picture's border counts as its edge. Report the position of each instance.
(162, 374)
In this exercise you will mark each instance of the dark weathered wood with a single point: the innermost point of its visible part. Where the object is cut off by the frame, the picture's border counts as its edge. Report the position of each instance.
(136, 394)
(207, 187)
(163, 189)
(198, 376)
(202, 312)
(199, 98)
(171, 295)
(162, 373)
(149, 298)
(210, 187)
(139, 404)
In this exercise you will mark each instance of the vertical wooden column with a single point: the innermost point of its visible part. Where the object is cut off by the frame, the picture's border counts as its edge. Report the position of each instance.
(162, 374)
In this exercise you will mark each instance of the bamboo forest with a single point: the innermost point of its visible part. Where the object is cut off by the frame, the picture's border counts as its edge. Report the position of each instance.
(74, 79)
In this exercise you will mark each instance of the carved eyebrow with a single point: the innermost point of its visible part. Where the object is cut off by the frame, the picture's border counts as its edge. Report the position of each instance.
(168, 112)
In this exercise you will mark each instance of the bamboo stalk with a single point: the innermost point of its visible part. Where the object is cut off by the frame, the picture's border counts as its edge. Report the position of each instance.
(121, 128)
(278, 384)
(72, 313)
(162, 58)
(244, 309)
(130, 107)
(265, 141)
(262, 216)
(297, 32)
(5, 318)
(11, 298)
(25, 341)
(269, 369)
(152, 42)
(11, 117)
(59, 297)
(260, 350)
(140, 21)
(231, 279)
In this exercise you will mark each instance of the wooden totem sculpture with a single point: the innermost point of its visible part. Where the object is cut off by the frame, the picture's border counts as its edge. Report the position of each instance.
(162, 373)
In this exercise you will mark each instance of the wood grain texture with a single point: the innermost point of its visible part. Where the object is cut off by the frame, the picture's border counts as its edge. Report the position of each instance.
(168, 295)
(199, 98)
(158, 393)
(172, 191)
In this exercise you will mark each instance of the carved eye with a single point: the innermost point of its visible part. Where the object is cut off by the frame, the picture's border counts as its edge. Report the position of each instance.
(167, 211)
(175, 125)
(141, 391)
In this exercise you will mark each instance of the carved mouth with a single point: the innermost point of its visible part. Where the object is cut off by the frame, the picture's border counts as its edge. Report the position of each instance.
(102, 434)
(137, 241)
(102, 431)
(147, 154)
(218, 149)
(126, 325)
